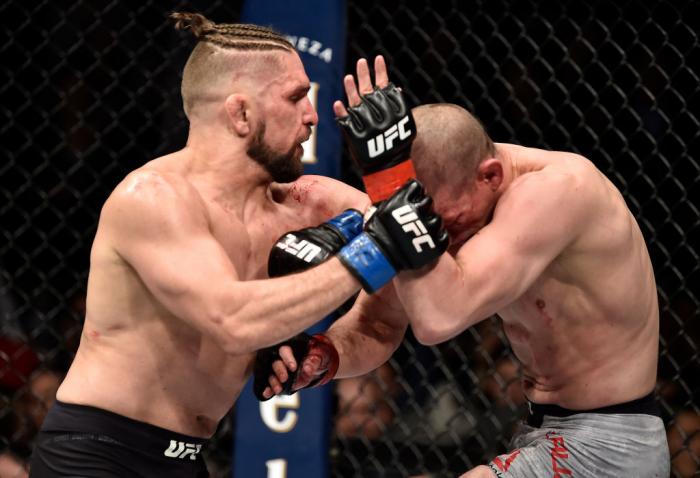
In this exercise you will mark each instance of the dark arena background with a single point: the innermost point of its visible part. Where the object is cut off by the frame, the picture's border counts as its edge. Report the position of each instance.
(90, 91)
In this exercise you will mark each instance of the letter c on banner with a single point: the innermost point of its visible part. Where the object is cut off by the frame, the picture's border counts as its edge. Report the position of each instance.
(269, 413)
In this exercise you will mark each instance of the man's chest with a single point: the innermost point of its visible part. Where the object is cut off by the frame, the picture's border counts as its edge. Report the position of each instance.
(539, 309)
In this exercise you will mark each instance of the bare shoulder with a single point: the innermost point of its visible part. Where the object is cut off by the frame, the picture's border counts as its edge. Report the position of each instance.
(147, 198)
(566, 179)
(326, 194)
(572, 163)
(560, 199)
(581, 181)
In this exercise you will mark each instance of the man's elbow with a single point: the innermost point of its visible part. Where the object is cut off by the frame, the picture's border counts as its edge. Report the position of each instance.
(430, 331)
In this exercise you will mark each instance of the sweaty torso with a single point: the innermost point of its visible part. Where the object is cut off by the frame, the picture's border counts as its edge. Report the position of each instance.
(139, 360)
(586, 331)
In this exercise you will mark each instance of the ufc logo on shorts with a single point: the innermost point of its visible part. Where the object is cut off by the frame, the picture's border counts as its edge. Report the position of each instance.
(410, 223)
(385, 141)
(303, 249)
(179, 449)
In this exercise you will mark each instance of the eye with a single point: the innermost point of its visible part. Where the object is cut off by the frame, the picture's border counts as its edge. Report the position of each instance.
(298, 95)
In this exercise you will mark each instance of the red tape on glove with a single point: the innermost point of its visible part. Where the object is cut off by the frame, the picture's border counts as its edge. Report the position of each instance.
(322, 346)
(384, 183)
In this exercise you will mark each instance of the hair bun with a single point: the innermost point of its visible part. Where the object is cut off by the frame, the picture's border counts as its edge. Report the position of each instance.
(198, 24)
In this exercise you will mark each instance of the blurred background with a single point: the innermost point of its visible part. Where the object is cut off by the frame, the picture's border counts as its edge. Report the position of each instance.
(90, 91)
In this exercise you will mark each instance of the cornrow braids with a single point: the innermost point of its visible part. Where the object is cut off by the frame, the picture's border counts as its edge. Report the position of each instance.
(238, 36)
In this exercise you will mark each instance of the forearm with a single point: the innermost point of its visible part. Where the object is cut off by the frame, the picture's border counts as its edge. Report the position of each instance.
(368, 335)
(441, 302)
(266, 312)
(363, 347)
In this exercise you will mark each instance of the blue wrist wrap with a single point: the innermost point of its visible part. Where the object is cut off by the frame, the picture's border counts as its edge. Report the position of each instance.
(348, 223)
(367, 262)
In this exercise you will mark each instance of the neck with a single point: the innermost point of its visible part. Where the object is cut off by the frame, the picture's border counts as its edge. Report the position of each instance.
(511, 165)
(219, 159)
(520, 159)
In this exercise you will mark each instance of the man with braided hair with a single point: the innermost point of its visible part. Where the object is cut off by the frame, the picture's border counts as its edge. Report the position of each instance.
(178, 293)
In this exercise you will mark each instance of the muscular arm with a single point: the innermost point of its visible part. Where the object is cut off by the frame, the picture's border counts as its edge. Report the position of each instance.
(364, 339)
(536, 219)
(159, 226)
(369, 333)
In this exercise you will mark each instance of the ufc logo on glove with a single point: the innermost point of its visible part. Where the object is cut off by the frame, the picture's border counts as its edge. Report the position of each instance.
(302, 249)
(409, 222)
(385, 141)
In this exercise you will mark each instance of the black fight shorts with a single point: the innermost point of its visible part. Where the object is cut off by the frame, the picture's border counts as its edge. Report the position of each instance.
(82, 441)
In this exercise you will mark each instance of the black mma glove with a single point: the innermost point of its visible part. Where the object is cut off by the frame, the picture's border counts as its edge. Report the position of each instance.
(299, 250)
(379, 132)
(403, 233)
(303, 346)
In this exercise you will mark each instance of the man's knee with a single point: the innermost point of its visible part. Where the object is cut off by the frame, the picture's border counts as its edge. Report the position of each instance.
(480, 471)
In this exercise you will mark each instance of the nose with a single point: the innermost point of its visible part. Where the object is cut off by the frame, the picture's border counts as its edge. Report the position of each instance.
(310, 117)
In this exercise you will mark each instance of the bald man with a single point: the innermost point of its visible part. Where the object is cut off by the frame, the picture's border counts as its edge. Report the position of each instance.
(546, 241)
(178, 295)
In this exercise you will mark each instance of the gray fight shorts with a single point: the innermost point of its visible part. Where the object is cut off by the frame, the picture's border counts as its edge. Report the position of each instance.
(590, 445)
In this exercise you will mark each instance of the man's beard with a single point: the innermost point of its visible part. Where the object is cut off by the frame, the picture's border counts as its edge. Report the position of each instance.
(283, 167)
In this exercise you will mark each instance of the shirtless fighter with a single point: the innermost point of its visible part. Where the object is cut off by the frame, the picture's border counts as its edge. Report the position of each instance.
(545, 241)
(178, 295)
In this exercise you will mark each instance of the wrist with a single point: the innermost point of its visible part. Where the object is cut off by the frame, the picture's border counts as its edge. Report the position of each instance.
(331, 356)
(348, 223)
(367, 262)
(382, 184)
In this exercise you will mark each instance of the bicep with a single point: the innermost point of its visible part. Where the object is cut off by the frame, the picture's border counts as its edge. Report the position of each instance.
(182, 273)
(163, 234)
(498, 269)
(508, 255)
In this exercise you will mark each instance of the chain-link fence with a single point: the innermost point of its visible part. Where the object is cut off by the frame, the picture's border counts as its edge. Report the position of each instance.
(90, 91)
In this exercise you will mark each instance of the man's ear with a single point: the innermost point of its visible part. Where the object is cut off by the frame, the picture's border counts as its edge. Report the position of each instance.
(490, 172)
(238, 113)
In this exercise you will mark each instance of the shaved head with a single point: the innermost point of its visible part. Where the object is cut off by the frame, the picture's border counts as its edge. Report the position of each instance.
(450, 144)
